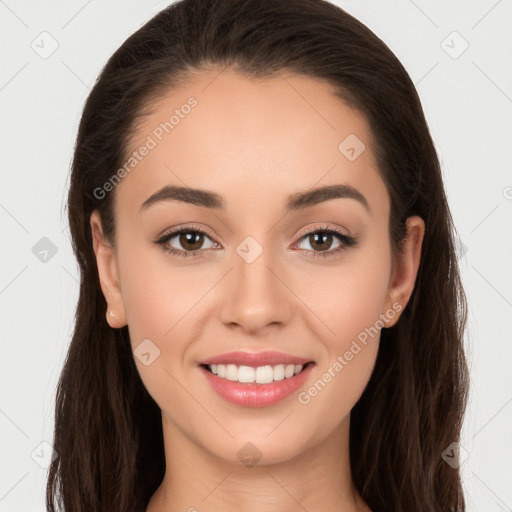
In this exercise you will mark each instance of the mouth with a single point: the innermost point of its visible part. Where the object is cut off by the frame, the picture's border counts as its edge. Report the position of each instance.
(256, 379)
(265, 374)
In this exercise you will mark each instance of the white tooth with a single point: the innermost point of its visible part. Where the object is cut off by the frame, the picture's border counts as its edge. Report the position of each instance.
(289, 371)
(261, 375)
(279, 372)
(264, 374)
(246, 374)
(232, 372)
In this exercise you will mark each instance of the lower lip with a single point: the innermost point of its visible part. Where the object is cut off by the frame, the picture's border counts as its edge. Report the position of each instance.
(256, 395)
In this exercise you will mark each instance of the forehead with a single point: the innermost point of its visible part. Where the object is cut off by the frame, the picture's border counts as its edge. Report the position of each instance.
(255, 141)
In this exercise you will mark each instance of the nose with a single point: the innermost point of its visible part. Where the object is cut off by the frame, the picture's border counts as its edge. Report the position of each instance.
(256, 297)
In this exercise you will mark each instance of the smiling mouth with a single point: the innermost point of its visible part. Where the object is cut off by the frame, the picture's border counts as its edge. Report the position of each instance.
(255, 375)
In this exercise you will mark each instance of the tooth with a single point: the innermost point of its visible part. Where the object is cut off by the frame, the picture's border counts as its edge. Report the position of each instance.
(232, 372)
(289, 371)
(264, 374)
(279, 372)
(246, 374)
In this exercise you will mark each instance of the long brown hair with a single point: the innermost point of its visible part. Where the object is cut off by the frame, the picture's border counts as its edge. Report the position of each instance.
(108, 432)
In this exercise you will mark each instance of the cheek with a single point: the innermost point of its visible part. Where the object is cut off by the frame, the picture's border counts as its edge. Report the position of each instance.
(350, 303)
(160, 304)
(349, 297)
(164, 303)
(157, 295)
(337, 386)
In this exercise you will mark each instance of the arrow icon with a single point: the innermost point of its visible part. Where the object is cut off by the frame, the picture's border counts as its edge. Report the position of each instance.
(147, 352)
(43, 454)
(454, 45)
(351, 147)
(44, 44)
(249, 253)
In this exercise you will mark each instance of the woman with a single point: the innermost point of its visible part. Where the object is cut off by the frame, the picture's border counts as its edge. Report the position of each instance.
(270, 315)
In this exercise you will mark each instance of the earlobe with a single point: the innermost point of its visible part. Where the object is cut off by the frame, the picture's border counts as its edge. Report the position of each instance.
(108, 274)
(406, 267)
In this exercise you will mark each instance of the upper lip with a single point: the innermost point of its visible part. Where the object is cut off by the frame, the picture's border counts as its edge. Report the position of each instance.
(255, 359)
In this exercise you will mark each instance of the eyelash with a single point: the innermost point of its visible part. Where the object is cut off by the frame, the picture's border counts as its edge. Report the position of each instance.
(346, 241)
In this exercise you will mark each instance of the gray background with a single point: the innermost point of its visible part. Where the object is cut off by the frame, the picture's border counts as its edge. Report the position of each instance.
(467, 97)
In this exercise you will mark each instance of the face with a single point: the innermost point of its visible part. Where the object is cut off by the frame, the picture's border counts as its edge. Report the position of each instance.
(278, 280)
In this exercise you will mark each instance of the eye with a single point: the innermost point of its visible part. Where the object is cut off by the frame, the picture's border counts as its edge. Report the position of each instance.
(191, 240)
(321, 239)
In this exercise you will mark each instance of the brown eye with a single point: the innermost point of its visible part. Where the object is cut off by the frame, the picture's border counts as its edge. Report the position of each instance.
(191, 240)
(185, 242)
(320, 241)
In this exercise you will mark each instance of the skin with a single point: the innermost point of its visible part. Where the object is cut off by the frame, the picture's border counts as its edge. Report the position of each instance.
(255, 143)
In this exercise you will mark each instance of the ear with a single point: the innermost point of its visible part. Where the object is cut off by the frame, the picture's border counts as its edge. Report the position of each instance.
(405, 269)
(108, 273)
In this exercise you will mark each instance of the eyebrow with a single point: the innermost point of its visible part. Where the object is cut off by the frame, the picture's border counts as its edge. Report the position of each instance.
(297, 201)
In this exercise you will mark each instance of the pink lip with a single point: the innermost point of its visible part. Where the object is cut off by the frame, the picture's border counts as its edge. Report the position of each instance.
(255, 359)
(256, 395)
